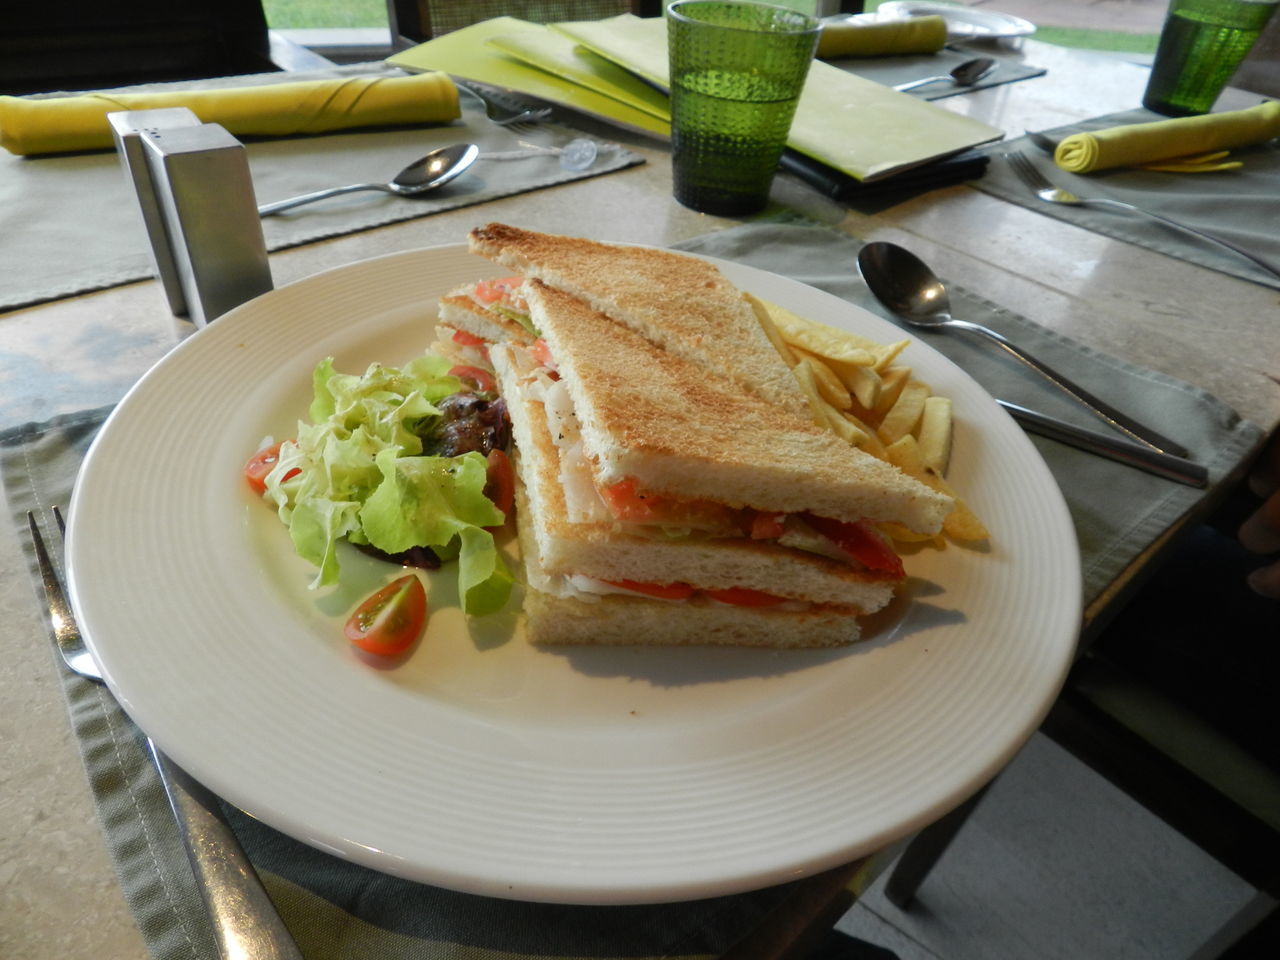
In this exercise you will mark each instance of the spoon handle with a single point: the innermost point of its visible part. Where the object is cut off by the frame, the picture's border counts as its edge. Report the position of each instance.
(269, 208)
(904, 87)
(1122, 422)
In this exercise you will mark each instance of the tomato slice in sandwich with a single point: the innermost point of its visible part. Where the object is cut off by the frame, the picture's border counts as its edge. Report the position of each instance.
(663, 591)
(745, 597)
(495, 291)
(630, 505)
(862, 542)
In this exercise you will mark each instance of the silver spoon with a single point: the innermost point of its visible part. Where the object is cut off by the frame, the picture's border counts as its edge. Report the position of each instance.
(912, 292)
(434, 170)
(964, 75)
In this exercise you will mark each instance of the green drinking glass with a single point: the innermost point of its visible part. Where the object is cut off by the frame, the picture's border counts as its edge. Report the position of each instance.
(1201, 45)
(737, 70)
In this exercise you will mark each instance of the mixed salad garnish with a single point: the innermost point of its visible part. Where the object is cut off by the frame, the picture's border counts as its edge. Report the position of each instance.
(406, 463)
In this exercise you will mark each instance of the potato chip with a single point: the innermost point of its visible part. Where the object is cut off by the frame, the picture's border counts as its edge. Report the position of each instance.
(961, 523)
(935, 434)
(829, 385)
(905, 414)
(771, 330)
(892, 381)
(817, 406)
(818, 338)
(885, 355)
(904, 453)
(862, 382)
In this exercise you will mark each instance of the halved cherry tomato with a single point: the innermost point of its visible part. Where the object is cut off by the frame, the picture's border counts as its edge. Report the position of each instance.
(389, 622)
(483, 379)
(542, 353)
(664, 591)
(261, 464)
(628, 504)
(766, 526)
(746, 597)
(862, 542)
(467, 339)
(491, 291)
(500, 481)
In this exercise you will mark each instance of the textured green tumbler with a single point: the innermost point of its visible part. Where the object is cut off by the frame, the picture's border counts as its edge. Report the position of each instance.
(1201, 45)
(737, 70)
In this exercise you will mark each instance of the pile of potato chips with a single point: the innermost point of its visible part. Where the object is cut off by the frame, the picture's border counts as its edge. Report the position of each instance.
(858, 388)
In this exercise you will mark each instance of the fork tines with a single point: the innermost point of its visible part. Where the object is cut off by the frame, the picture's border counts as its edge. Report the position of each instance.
(1027, 172)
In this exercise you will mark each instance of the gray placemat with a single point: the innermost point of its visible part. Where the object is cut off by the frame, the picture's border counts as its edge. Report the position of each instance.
(337, 910)
(46, 201)
(894, 70)
(1241, 206)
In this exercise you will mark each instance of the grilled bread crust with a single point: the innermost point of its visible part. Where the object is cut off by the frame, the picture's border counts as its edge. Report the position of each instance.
(677, 428)
(561, 546)
(680, 302)
(637, 621)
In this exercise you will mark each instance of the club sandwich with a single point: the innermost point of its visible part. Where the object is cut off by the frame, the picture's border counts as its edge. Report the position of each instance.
(661, 501)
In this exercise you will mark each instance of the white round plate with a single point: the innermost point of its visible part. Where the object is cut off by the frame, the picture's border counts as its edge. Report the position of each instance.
(963, 23)
(483, 764)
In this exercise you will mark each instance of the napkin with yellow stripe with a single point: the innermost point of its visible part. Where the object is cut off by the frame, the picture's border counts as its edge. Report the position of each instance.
(31, 126)
(1170, 144)
(882, 38)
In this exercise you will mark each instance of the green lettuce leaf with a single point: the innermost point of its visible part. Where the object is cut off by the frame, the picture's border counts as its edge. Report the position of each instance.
(357, 471)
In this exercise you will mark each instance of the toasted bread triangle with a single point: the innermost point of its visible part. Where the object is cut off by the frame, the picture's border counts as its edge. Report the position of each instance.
(680, 302)
(677, 427)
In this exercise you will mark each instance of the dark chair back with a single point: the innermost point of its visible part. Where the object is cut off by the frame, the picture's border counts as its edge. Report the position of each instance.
(79, 44)
(413, 21)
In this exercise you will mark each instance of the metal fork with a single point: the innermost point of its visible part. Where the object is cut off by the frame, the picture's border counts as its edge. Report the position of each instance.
(1042, 188)
(506, 110)
(246, 924)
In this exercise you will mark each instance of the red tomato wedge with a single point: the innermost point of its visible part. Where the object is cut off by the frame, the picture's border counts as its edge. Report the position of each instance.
(745, 597)
(629, 505)
(483, 379)
(389, 622)
(862, 542)
(500, 481)
(664, 591)
(261, 464)
(467, 339)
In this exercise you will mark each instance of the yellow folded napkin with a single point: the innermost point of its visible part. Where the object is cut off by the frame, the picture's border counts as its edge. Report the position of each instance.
(882, 38)
(1162, 140)
(63, 124)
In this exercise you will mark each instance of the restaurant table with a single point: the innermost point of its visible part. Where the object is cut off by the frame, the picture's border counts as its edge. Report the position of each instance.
(63, 899)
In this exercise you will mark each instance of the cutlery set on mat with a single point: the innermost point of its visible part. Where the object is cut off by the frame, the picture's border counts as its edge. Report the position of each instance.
(245, 922)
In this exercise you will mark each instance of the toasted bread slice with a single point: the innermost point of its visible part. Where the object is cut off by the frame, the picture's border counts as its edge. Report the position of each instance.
(677, 428)
(561, 547)
(638, 621)
(682, 303)
(459, 311)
